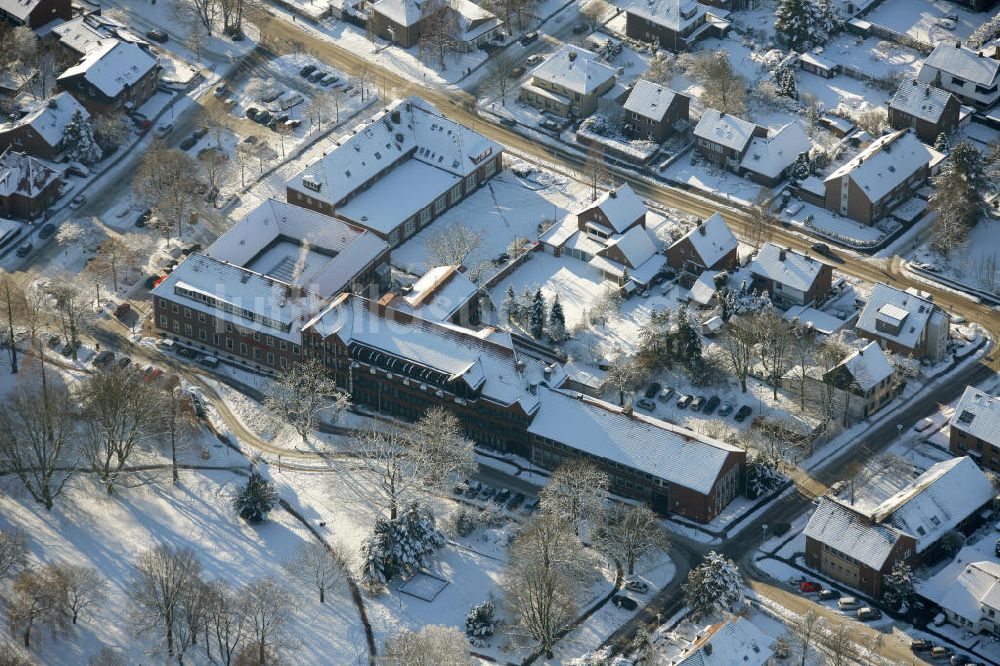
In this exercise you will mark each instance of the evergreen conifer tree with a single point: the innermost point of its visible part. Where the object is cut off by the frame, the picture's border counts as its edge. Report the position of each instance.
(78, 140)
(685, 340)
(557, 322)
(256, 499)
(537, 322)
(510, 305)
(941, 144)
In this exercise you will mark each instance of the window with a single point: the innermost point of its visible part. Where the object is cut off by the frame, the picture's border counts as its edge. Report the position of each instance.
(270, 358)
(957, 81)
(187, 329)
(202, 335)
(229, 328)
(176, 326)
(187, 313)
(215, 339)
(270, 341)
(425, 216)
(409, 227)
(283, 362)
(174, 308)
(163, 303)
(229, 344)
(163, 320)
(295, 350)
(282, 345)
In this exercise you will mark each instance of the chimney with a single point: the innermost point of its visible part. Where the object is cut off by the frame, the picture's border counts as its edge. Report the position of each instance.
(782, 254)
(979, 53)
(861, 352)
(957, 45)
(519, 366)
(572, 56)
(547, 372)
(613, 194)
(533, 388)
(708, 649)
(701, 229)
(927, 91)
(915, 82)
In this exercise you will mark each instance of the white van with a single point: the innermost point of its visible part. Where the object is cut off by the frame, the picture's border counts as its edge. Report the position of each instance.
(848, 603)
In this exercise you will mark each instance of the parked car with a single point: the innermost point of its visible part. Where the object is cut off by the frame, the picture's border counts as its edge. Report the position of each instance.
(316, 76)
(820, 248)
(826, 594)
(164, 130)
(534, 59)
(515, 72)
(959, 660)
(252, 112)
(848, 603)
(809, 587)
(515, 501)
(199, 133)
(549, 125)
(152, 373)
(186, 352)
(54, 341)
(158, 36)
(580, 28)
(529, 38)
(646, 404)
(77, 202)
(329, 79)
(209, 361)
(941, 651)
(263, 117)
(652, 390)
(923, 424)
(697, 403)
(623, 602)
(637, 586)
(24, 250)
(921, 645)
(684, 401)
(487, 492)
(868, 613)
(103, 358)
(509, 122)
(726, 409)
(307, 70)
(712, 403)
(473, 490)
(742, 413)
(292, 123)
(502, 496)
(666, 393)
(188, 143)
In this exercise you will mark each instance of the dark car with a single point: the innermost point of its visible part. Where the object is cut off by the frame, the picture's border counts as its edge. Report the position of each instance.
(712, 403)
(698, 403)
(200, 132)
(47, 230)
(157, 36)
(473, 490)
(637, 586)
(123, 362)
(550, 125)
(252, 112)
(188, 143)
(516, 71)
(826, 594)
(54, 341)
(515, 501)
(652, 390)
(821, 248)
(529, 38)
(941, 651)
(24, 250)
(742, 413)
(869, 613)
(623, 602)
(122, 310)
(307, 70)
(264, 117)
(502, 496)
(509, 122)
(959, 660)
(921, 645)
(317, 75)
(580, 28)
(185, 352)
(103, 358)
(646, 403)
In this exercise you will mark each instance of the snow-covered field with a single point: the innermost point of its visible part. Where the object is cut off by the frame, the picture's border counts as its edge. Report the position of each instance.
(977, 263)
(919, 19)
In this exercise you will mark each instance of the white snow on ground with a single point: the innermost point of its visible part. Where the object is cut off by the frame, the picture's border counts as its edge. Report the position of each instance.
(976, 264)
(706, 176)
(919, 19)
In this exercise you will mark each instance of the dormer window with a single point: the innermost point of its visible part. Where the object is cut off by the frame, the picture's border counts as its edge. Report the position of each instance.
(310, 182)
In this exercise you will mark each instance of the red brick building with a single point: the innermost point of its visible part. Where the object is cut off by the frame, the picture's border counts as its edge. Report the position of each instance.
(114, 75)
(35, 13)
(709, 246)
(927, 110)
(789, 277)
(39, 133)
(28, 187)
(653, 111)
(975, 428)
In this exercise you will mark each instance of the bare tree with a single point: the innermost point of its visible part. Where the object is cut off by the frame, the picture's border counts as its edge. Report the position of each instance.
(318, 565)
(225, 621)
(623, 375)
(724, 89)
(439, 30)
(806, 628)
(83, 586)
(214, 168)
(37, 600)
(576, 493)
(760, 219)
(740, 342)
(70, 234)
(301, 394)
(70, 309)
(111, 129)
(777, 338)
(499, 78)
(13, 551)
(630, 531)
(267, 608)
(116, 256)
(37, 428)
(12, 295)
(384, 459)
(167, 180)
(452, 245)
(803, 351)
(441, 449)
(176, 421)
(162, 577)
(205, 11)
(433, 645)
(120, 414)
(596, 170)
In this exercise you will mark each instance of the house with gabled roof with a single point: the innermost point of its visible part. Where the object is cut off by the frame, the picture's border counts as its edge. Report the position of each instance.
(968, 593)
(975, 428)
(40, 132)
(113, 75)
(905, 322)
(790, 277)
(672, 24)
(85, 32)
(973, 76)
(614, 212)
(402, 21)
(398, 171)
(709, 246)
(652, 111)
(927, 110)
(869, 186)
(28, 186)
(568, 83)
(734, 641)
(723, 138)
(768, 158)
(858, 543)
(35, 13)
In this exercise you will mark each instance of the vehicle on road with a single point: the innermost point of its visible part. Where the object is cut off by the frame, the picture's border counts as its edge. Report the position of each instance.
(726, 409)
(809, 587)
(186, 352)
(164, 130)
(742, 413)
(712, 403)
(515, 72)
(652, 390)
(820, 248)
(188, 143)
(24, 250)
(47, 230)
(77, 202)
(646, 403)
(509, 122)
(959, 660)
(848, 603)
(534, 59)
(697, 403)
(123, 362)
(623, 602)
(528, 38)
(637, 586)
(868, 613)
(684, 401)
(209, 361)
(157, 36)
(826, 594)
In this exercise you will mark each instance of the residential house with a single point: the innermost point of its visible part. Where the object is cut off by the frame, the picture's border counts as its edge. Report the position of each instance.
(85, 32)
(975, 428)
(568, 83)
(35, 13)
(767, 158)
(709, 246)
(905, 322)
(39, 133)
(443, 293)
(614, 212)
(113, 75)
(672, 24)
(973, 76)
(789, 277)
(652, 111)
(857, 543)
(929, 111)
(968, 593)
(398, 171)
(248, 295)
(28, 186)
(857, 387)
(403, 21)
(735, 640)
(882, 176)
(724, 139)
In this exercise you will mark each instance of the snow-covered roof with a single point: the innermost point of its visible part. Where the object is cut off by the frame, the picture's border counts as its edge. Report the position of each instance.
(663, 450)
(786, 266)
(575, 69)
(485, 360)
(24, 175)
(622, 207)
(438, 294)
(472, 19)
(19, 9)
(398, 195)
(965, 587)
(961, 62)
(737, 641)
(712, 239)
(676, 15)
(886, 163)
(834, 523)
(637, 245)
(868, 366)
(408, 128)
(920, 100)
(111, 65)
(650, 100)
(978, 414)
(937, 500)
(85, 32)
(403, 12)
(770, 156)
(818, 320)
(898, 309)
(703, 288)
(299, 246)
(559, 233)
(50, 120)
(724, 129)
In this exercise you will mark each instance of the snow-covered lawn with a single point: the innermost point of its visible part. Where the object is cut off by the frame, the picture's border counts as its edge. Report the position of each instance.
(706, 176)
(976, 264)
(919, 19)
(838, 227)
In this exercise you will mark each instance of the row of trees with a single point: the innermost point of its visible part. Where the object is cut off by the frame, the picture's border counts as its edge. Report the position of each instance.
(210, 13)
(958, 196)
(530, 310)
